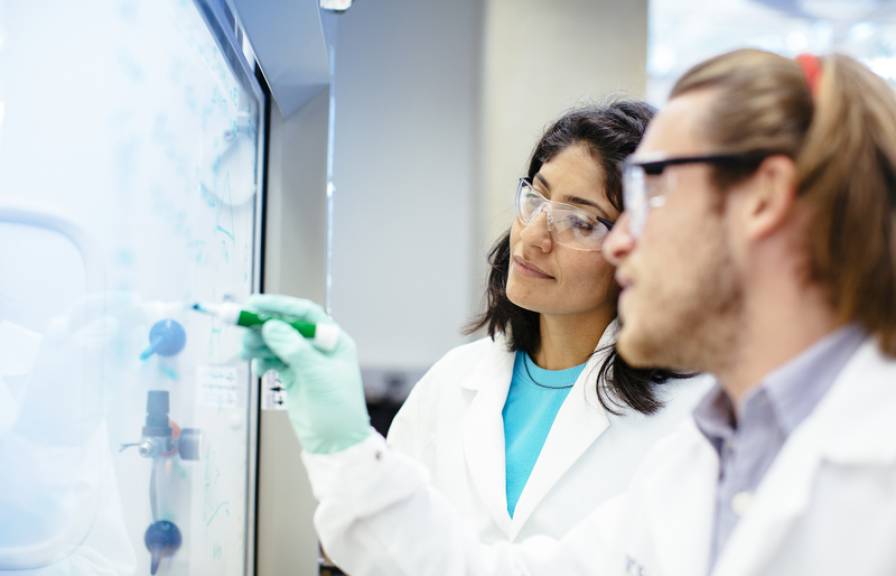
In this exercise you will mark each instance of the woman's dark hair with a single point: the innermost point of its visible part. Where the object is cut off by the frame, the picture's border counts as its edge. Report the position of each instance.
(611, 132)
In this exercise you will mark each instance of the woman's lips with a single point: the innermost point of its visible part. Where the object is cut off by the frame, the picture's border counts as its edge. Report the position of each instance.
(528, 269)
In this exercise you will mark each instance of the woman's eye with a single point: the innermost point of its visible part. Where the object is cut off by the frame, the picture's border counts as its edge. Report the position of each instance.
(581, 224)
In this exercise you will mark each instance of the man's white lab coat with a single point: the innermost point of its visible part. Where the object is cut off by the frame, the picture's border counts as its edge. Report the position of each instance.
(827, 505)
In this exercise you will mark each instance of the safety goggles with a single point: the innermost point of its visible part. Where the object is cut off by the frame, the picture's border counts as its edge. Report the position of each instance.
(569, 226)
(646, 182)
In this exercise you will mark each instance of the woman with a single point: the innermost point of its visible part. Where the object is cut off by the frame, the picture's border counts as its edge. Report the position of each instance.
(527, 430)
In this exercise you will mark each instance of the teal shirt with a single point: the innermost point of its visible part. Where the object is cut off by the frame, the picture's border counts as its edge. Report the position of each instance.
(532, 403)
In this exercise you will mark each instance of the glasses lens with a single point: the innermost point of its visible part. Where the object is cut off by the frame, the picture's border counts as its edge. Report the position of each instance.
(528, 201)
(569, 225)
(577, 229)
(634, 196)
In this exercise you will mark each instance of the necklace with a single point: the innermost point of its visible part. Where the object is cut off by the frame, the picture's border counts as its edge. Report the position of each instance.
(526, 361)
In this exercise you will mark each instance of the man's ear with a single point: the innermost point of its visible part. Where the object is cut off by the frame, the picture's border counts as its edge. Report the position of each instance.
(772, 197)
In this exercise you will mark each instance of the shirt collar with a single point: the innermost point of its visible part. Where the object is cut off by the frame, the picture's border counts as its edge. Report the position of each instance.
(793, 390)
(714, 416)
(796, 388)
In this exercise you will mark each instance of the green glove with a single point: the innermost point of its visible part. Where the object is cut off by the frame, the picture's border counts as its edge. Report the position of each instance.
(325, 396)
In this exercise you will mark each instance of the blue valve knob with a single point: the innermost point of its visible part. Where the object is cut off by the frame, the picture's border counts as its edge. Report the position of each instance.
(189, 444)
(166, 338)
(162, 539)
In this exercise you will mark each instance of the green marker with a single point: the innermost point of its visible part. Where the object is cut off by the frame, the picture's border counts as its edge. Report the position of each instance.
(324, 336)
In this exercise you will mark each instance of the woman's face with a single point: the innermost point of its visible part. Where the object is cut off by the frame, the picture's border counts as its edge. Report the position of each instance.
(554, 279)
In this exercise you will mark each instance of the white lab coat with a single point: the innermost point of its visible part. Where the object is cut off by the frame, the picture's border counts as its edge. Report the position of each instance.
(452, 424)
(827, 505)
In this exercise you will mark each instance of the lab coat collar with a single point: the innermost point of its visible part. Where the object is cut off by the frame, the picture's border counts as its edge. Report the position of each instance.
(580, 420)
(498, 360)
(483, 431)
(853, 425)
(502, 358)
(577, 425)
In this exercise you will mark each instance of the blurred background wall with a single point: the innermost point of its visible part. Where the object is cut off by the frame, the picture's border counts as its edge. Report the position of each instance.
(437, 108)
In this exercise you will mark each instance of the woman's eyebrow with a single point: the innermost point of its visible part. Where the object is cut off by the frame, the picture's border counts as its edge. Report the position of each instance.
(579, 201)
(574, 200)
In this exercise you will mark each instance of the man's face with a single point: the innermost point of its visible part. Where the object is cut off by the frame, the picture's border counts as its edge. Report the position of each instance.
(681, 299)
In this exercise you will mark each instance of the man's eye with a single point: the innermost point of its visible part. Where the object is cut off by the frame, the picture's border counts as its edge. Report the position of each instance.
(653, 183)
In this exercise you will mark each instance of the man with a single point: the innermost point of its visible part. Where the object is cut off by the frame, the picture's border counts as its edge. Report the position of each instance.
(764, 234)
(759, 245)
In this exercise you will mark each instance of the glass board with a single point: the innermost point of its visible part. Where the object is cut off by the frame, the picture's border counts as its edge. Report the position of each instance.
(131, 135)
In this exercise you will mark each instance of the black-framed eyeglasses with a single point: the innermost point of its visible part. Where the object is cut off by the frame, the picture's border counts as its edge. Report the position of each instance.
(733, 159)
(641, 194)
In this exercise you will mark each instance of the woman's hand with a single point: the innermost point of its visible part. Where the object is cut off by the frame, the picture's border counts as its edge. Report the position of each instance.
(325, 396)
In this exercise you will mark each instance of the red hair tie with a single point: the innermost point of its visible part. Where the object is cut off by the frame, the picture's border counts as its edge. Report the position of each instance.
(811, 66)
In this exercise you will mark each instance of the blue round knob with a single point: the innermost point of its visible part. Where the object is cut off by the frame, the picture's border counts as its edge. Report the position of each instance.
(162, 539)
(166, 338)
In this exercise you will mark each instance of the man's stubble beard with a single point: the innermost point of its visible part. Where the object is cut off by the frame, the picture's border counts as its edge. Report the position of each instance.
(695, 325)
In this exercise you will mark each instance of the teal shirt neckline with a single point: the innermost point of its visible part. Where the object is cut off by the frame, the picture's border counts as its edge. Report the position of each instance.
(550, 378)
(533, 400)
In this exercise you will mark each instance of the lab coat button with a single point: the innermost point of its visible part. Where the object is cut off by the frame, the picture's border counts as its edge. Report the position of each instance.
(741, 501)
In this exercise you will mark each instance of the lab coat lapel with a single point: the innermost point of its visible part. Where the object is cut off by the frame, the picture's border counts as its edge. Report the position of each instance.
(483, 430)
(852, 425)
(778, 502)
(580, 420)
(684, 512)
